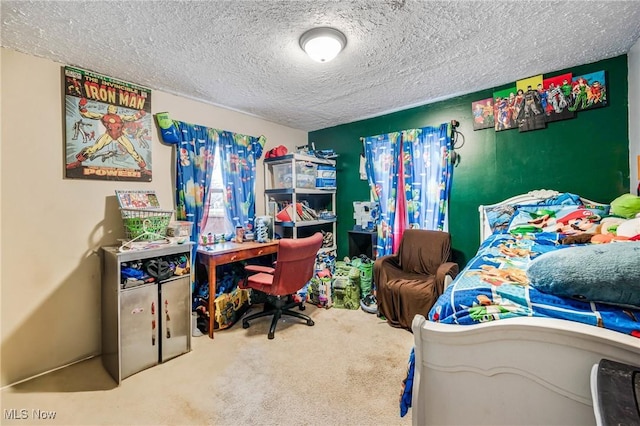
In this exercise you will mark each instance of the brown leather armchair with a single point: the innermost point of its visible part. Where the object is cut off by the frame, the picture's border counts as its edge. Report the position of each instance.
(409, 282)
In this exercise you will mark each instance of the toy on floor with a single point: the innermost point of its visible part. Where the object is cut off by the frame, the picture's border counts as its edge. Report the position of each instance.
(346, 286)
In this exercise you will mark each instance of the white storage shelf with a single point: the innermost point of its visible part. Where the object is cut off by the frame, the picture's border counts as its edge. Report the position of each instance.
(299, 191)
(284, 185)
(287, 159)
(303, 223)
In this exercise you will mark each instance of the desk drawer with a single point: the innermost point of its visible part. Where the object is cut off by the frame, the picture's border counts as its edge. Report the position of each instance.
(237, 256)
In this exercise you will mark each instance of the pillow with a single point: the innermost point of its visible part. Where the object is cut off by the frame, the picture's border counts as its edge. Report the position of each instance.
(607, 273)
(564, 198)
(601, 210)
(499, 217)
(565, 219)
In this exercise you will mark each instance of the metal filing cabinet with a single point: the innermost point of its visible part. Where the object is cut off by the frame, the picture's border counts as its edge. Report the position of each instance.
(143, 324)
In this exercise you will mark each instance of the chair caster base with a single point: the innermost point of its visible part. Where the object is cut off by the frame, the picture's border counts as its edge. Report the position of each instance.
(278, 311)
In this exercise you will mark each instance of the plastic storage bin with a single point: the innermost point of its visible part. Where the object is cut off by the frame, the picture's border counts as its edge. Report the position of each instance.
(305, 175)
(179, 228)
(325, 176)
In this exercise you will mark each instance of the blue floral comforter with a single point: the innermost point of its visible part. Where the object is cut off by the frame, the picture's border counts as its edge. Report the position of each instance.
(494, 285)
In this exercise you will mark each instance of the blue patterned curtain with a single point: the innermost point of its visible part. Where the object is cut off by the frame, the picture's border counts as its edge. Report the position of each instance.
(197, 146)
(239, 154)
(381, 153)
(195, 154)
(427, 174)
(427, 171)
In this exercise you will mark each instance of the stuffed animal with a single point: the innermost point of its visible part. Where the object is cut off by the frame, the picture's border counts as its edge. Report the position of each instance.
(602, 238)
(629, 228)
(609, 225)
(617, 229)
(626, 205)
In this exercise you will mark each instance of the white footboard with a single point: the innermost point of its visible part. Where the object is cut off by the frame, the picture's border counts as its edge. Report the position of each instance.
(520, 371)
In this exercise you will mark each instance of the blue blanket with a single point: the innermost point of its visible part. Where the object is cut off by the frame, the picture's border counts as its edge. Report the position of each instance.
(494, 285)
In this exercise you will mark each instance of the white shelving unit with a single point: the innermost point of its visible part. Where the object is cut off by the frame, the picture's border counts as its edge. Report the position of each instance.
(291, 179)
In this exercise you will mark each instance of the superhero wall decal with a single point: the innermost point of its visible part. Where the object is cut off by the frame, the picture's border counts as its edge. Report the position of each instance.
(535, 101)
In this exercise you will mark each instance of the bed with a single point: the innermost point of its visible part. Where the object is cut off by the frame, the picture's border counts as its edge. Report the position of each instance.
(503, 356)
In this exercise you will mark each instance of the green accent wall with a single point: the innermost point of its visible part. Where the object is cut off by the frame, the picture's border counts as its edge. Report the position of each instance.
(587, 155)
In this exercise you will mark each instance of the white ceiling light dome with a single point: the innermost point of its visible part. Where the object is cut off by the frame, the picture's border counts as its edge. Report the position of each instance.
(323, 44)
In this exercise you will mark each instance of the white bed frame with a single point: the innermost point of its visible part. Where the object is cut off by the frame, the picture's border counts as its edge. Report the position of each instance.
(519, 371)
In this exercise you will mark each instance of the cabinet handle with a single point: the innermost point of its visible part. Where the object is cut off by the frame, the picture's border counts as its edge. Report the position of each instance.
(233, 258)
(260, 252)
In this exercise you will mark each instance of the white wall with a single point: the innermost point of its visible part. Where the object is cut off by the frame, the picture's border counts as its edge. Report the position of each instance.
(52, 227)
(633, 59)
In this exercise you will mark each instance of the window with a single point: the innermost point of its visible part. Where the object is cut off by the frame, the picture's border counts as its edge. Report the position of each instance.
(218, 221)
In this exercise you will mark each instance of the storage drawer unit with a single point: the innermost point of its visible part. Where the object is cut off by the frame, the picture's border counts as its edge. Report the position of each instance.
(143, 324)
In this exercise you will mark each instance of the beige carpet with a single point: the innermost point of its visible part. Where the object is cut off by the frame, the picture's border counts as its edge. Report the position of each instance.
(345, 370)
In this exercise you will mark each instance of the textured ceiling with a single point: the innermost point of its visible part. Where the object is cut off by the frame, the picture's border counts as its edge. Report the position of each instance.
(245, 56)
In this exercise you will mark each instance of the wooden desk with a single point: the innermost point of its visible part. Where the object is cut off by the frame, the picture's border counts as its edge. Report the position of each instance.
(220, 254)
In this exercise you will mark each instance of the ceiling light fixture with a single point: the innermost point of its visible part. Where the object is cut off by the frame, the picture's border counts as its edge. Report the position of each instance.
(323, 44)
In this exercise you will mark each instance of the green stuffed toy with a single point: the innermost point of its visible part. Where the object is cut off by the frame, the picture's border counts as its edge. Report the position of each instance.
(626, 205)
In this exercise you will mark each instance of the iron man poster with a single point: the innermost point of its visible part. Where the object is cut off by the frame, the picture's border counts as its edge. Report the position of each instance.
(108, 128)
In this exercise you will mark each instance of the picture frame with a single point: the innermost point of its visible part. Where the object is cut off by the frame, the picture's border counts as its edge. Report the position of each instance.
(482, 111)
(108, 128)
(137, 199)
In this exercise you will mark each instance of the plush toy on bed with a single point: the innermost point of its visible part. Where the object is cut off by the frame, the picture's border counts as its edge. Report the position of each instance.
(617, 229)
(626, 205)
(624, 225)
(607, 273)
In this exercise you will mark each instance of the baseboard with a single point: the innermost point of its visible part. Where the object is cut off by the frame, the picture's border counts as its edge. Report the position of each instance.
(50, 371)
